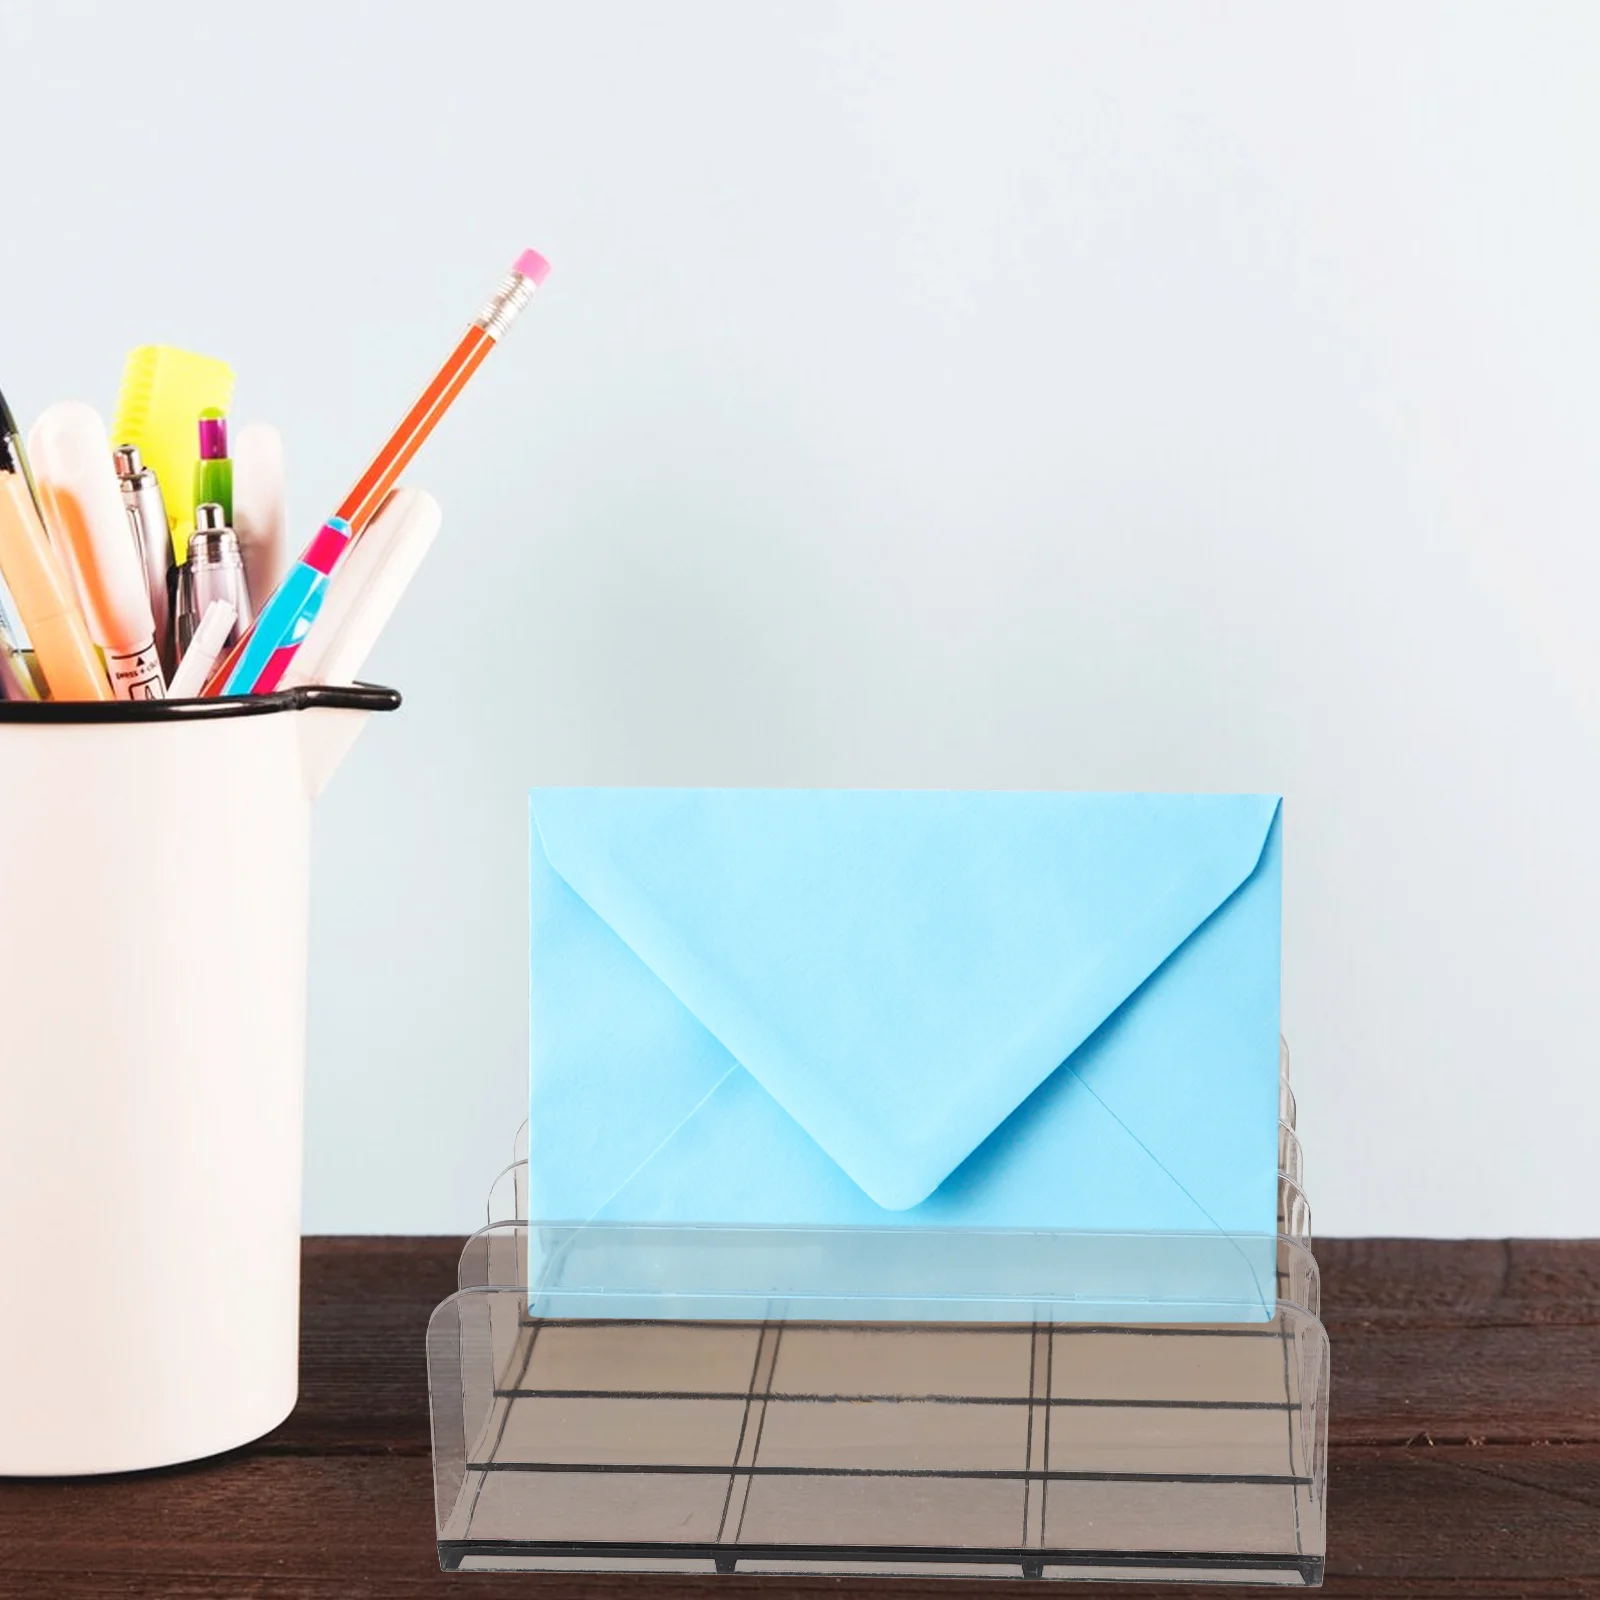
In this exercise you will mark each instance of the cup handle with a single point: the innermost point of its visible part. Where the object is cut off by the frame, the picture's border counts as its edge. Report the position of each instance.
(326, 739)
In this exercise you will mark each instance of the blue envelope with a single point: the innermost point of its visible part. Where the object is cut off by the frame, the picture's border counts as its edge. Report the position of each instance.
(824, 1046)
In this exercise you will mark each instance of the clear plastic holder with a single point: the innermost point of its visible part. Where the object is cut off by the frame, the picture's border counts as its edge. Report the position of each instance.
(508, 1195)
(496, 1257)
(644, 1271)
(801, 1437)
(700, 1272)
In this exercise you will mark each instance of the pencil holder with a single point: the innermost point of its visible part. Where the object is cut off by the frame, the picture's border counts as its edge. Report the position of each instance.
(154, 877)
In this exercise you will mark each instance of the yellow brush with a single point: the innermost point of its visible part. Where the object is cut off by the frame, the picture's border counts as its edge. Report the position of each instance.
(164, 390)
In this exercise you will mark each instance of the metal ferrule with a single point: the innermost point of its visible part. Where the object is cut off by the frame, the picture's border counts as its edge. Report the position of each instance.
(509, 299)
(214, 571)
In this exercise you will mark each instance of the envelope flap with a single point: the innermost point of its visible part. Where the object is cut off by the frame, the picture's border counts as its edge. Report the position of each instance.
(901, 970)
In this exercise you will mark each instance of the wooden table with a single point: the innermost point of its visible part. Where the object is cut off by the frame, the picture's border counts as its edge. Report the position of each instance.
(1465, 1453)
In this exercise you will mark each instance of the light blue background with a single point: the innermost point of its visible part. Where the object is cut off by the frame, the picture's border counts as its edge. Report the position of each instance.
(1121, 394)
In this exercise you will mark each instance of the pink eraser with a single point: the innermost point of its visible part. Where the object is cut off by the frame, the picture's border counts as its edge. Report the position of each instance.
(530, 264)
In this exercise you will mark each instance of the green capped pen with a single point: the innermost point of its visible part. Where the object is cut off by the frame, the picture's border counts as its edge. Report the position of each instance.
(213, 472)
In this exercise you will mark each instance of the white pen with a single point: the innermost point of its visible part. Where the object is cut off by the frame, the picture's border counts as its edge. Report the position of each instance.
(365, 588)
(207, 644)
(87, 519)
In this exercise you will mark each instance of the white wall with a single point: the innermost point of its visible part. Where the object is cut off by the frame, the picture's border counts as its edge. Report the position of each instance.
(1012, 395)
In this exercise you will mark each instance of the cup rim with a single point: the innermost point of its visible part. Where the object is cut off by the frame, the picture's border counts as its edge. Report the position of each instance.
(312, 697)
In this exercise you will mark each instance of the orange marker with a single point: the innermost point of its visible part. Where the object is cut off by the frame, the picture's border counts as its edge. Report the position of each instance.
(39, 584)
(364, 500)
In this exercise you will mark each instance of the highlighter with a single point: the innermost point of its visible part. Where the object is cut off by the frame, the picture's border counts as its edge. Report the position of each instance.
(163, 390)
(89, 524)
(63, 652)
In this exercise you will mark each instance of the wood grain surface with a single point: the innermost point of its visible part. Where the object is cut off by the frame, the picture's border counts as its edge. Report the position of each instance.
(1464, 1459)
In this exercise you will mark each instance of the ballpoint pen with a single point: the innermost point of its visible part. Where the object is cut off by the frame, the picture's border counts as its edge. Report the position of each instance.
(152, 539)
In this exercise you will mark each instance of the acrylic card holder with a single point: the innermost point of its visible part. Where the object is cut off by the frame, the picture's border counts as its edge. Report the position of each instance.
(1039, 1446)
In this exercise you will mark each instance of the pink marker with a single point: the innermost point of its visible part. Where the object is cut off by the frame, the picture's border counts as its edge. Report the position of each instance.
(289, 614)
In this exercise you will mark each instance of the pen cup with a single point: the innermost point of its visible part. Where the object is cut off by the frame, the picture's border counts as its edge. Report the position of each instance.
(154, 885)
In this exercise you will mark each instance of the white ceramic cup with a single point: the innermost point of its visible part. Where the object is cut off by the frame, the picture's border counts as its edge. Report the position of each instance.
(154, 878)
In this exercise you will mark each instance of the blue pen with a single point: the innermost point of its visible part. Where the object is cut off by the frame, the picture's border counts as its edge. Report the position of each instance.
(288, 615)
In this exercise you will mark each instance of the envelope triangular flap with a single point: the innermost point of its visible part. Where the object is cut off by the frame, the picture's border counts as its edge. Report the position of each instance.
(900, 970)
